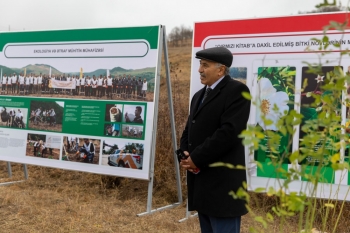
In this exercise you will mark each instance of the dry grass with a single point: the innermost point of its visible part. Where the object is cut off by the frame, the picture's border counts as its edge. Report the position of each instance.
(54, 200)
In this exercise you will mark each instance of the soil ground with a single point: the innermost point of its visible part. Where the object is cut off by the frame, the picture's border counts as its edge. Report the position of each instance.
(55, 153)
(45, 126)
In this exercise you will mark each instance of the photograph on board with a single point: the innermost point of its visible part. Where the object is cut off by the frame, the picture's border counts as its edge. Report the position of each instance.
(132, 131)
(315, 81)
(134, 114)
(112, 130)
(120, 154)
(275, 96)
(90, 81)
(113, 112)
(43, 146)
(46, 115)
(83, 150)
(239, 74)
(13, 117)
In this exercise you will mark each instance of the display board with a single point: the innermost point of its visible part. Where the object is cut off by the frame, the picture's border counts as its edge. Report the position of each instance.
(83, 99)
(265, 46)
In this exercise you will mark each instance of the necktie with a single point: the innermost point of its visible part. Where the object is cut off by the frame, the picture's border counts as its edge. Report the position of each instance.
(206, 93)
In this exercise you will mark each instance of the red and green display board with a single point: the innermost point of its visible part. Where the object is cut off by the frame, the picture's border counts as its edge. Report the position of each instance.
(268, 53)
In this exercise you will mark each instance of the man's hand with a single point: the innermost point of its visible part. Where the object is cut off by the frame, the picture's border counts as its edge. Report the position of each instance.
(188, 163)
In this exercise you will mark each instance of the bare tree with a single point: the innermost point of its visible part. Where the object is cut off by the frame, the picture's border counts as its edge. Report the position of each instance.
(179, 35)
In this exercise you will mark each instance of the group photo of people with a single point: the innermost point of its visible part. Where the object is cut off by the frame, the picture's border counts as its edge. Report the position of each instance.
(120, 86)
(13, 117)
(46, 115)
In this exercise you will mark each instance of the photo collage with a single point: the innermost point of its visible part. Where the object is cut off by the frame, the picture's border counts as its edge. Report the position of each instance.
(275, 92)
(73, 148)
(125, 120)
(115, 120)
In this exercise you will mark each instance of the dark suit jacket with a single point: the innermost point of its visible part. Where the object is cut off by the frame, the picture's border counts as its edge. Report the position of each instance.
(211, 135)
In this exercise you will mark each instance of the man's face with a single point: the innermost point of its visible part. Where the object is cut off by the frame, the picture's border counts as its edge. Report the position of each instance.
(137, 113)
(109, 129)
(86, 141)
(210, 72)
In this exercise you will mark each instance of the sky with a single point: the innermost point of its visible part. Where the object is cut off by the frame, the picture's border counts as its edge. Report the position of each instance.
(19, 15)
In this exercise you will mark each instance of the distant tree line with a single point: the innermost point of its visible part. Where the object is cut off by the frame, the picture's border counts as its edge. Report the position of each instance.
(180, 36)
(326, 6)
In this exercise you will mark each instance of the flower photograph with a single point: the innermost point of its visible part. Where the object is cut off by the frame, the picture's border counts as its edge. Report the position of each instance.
(275, 98)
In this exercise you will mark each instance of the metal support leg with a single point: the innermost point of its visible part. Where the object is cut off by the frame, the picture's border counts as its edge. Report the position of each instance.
(188, 214)
(9, 169)
(172, 121)
(25, 170)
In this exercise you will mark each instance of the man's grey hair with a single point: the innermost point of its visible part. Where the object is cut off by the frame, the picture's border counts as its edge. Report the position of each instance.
(227, 69)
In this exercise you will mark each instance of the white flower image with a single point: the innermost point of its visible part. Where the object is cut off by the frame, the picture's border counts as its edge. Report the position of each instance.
(268, 98)
(319, 78)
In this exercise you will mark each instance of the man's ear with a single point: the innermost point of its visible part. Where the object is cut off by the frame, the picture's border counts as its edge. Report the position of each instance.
(221, 70)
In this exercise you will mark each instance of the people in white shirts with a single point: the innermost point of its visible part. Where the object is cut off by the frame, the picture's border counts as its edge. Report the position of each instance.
(82, 84)
(52, 116)
(99, 86)
(35, 84)
(31, 83)
(109, 87)
(4, 83)
(93, 86)
(21, 83)
(40, 83)
(12, 114)
(27, 84)
(19, 119)
(104, 86)
(77, 84)
(14, 83)
(8, 87)
(144, 88)
(88, 86)
(37, 116)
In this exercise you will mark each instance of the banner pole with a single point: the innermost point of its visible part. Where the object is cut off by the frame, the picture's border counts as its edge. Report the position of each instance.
(9, 172)
(25, 170)
(9, 169)
(153, 150)
(172, 120)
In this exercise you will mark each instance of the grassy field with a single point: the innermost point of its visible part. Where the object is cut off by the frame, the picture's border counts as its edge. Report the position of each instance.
(54, 200)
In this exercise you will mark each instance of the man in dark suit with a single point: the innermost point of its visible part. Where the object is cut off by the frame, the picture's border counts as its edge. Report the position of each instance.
(218, 114)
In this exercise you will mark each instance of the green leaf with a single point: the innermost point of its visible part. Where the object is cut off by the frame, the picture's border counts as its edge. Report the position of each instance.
(261, 220)
(329, 205)
(246, 95)
(260, 190)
